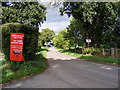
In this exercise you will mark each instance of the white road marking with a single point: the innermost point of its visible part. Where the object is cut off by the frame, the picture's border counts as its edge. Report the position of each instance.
(108, 68)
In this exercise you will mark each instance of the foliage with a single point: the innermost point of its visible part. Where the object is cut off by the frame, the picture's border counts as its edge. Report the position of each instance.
(97, 20)
(92, 58)
(91, 50)
(45, 36)
(12, 71)
(1, 54)
(75, 32)
(30, 13)
(60, 40)
(30, 39)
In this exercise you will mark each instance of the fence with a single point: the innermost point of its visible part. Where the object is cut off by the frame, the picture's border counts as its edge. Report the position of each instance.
(113, 52)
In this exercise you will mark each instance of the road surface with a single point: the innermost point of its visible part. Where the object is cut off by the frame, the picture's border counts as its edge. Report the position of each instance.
(69, 72)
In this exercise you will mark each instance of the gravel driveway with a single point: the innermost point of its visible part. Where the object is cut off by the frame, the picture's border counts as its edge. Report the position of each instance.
(69, 72)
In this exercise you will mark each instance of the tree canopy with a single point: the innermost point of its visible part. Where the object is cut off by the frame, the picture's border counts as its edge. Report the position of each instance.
(61, 40)
(30, 13)
(94, 20)
(46, 35)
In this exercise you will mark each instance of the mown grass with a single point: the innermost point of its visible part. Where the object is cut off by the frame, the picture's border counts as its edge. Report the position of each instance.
(12, 71)
(113, 61)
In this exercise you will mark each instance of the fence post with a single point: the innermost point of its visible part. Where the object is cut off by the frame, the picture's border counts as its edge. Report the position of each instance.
(116, 52)
(103, 51)
(112, 52)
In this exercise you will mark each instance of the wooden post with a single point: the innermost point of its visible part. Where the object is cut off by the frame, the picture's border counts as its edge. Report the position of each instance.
(112, 52)
(103, 51)
(116, 51)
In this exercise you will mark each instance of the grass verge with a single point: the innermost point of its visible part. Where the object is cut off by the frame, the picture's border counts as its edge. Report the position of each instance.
(113, 61)
(12, 71)
(1, 54)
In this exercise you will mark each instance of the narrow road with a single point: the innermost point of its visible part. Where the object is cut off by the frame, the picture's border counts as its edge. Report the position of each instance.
(69, 72)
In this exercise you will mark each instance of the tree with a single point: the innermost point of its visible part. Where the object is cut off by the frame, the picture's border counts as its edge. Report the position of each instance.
(111, 36)
(75, 33)
(31, 13)
(97, 18)
(46, 36)
(61, 40)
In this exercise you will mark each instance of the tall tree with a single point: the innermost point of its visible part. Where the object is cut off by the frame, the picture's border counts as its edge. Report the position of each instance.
(75, 32)
(96, 17)
(62, 40)
(31, 13)
(46, 35)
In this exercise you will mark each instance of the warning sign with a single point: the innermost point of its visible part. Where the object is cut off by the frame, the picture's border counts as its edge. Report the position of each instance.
(16, 47)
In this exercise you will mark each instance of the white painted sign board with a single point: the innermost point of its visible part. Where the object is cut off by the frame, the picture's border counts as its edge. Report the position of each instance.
(88, 40)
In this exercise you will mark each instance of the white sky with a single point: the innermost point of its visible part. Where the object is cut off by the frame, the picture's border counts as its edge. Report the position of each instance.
(54, 20)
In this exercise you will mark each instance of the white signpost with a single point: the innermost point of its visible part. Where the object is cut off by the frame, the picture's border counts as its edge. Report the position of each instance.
(88, 41)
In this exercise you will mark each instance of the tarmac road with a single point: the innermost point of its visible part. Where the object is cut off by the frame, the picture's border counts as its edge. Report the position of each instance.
(69, 72)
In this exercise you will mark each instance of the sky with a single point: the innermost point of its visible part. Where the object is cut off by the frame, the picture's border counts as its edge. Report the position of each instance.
(54, 20)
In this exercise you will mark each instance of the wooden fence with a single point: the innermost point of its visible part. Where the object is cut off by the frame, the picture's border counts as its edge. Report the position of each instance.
(113, 52)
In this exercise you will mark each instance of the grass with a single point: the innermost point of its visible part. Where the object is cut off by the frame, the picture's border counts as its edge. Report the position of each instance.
(113, 61)
(1, 54)
(12, 71)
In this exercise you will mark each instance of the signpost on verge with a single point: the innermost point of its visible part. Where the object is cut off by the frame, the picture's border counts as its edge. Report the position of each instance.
(16, 46)
(88, 41)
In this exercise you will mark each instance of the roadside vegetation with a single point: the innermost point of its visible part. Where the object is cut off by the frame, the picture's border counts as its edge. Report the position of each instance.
(89, 20)
(98, 22)
(1, 54)
(89, 57)
(16, 22)
(46, 36)
(16, 70)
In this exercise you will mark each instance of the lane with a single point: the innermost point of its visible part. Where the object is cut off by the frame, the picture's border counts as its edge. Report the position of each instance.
(69, 72)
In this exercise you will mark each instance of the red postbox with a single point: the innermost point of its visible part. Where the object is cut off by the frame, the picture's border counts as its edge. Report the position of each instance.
(16, 46)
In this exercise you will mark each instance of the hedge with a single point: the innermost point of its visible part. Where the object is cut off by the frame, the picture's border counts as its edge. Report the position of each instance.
(30, 39)
(91, 50)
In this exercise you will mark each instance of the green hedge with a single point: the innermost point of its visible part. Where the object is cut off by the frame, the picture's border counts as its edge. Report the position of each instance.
(30, 39)
(91, 50)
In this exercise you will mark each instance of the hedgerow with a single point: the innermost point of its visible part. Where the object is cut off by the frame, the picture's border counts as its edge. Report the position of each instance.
(30, 39)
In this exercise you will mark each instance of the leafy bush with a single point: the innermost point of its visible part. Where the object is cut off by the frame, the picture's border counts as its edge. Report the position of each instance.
(30, 39)
(93, 51)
